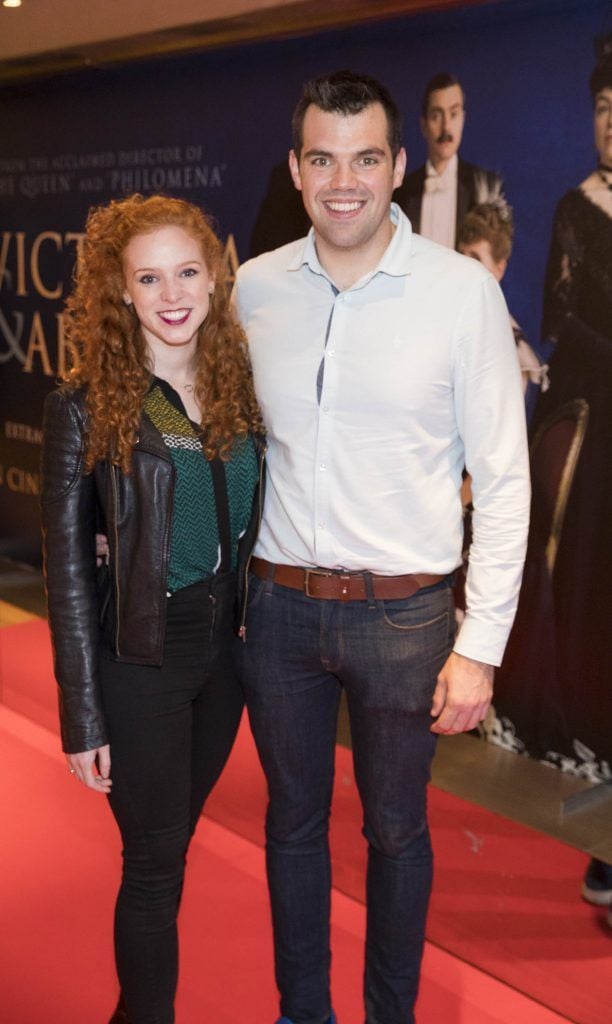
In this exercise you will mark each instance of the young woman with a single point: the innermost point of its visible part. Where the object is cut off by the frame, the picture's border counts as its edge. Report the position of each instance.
(153, 440)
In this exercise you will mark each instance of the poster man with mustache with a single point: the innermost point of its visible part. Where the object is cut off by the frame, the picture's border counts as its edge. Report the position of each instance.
(437, 196)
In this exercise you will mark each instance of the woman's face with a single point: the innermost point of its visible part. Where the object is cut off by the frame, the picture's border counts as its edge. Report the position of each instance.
(602, 120)
(167, 281)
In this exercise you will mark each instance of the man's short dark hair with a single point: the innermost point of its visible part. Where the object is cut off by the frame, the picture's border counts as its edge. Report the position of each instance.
(344, 92)
(440, 81)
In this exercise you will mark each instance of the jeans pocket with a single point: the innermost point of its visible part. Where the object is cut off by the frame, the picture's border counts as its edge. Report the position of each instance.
(426, 608)
(256, 589)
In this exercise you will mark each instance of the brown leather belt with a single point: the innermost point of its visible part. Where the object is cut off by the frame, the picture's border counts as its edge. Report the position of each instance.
(335, 585)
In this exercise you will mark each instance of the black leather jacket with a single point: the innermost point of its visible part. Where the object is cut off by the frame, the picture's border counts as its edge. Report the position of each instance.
(127, 598)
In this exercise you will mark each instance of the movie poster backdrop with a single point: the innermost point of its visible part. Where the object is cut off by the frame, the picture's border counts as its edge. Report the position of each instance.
(214, 128)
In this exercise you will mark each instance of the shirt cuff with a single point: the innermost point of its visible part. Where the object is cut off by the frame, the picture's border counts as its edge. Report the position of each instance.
(482, 641)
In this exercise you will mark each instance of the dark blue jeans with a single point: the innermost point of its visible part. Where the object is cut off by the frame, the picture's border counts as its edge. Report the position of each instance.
(299, 652)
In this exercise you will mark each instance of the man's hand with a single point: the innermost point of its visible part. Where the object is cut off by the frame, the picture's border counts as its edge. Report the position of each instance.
(462, 695)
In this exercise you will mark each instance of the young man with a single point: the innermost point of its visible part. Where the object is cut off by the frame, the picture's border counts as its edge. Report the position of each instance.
(383, 364)
(437, 196)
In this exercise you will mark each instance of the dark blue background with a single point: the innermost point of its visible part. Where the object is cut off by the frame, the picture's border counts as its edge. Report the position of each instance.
(524, 65)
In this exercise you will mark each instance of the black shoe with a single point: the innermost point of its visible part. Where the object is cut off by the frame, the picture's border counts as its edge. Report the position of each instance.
(597, 885)
(120, 1015)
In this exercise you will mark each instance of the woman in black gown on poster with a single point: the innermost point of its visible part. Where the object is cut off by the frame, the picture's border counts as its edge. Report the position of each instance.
(553, 693)
(579, 272)
(578, 317)
(579, 283)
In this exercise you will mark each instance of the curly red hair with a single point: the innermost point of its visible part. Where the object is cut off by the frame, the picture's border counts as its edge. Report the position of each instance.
(113, 364)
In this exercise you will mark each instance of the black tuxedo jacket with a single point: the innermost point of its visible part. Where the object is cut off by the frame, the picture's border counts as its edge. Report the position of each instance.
(470, 182)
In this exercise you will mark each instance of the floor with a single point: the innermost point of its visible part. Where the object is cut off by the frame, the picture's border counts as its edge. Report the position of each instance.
(559, 944)
(58, 875)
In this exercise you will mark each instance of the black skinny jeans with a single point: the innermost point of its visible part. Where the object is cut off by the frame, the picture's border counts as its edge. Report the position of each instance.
(171, 730)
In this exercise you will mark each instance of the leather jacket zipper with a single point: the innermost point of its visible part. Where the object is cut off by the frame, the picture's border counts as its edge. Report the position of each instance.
(242, 628)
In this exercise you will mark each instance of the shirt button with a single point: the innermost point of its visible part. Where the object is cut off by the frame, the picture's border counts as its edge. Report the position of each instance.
(325, 408)
(322, 467)
(331, 353)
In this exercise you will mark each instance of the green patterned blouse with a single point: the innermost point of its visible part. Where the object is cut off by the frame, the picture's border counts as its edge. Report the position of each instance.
(195, 551)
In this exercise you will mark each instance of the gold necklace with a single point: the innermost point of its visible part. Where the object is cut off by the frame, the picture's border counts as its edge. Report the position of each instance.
(174, 384)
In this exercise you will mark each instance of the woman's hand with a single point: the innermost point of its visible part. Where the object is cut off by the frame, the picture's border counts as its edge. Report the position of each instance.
(82, 766)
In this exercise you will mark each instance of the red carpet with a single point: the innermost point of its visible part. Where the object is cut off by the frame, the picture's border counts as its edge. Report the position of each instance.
(59, 864)
(27, 684)
(505, 897)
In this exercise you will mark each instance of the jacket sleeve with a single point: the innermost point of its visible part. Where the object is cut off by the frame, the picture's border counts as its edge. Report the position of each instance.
(68, 504)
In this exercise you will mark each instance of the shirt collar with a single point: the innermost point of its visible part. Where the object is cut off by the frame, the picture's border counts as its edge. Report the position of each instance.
(449, 172)
(307, 255)
(394, 261)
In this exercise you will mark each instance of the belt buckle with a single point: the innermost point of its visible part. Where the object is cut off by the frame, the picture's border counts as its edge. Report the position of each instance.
(344, 577)
(314, 572)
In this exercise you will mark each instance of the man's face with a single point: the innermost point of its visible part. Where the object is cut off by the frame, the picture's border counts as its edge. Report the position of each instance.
(442, 126)
(346, 174)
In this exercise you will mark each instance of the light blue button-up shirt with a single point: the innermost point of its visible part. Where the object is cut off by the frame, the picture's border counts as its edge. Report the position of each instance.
(375, 398)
